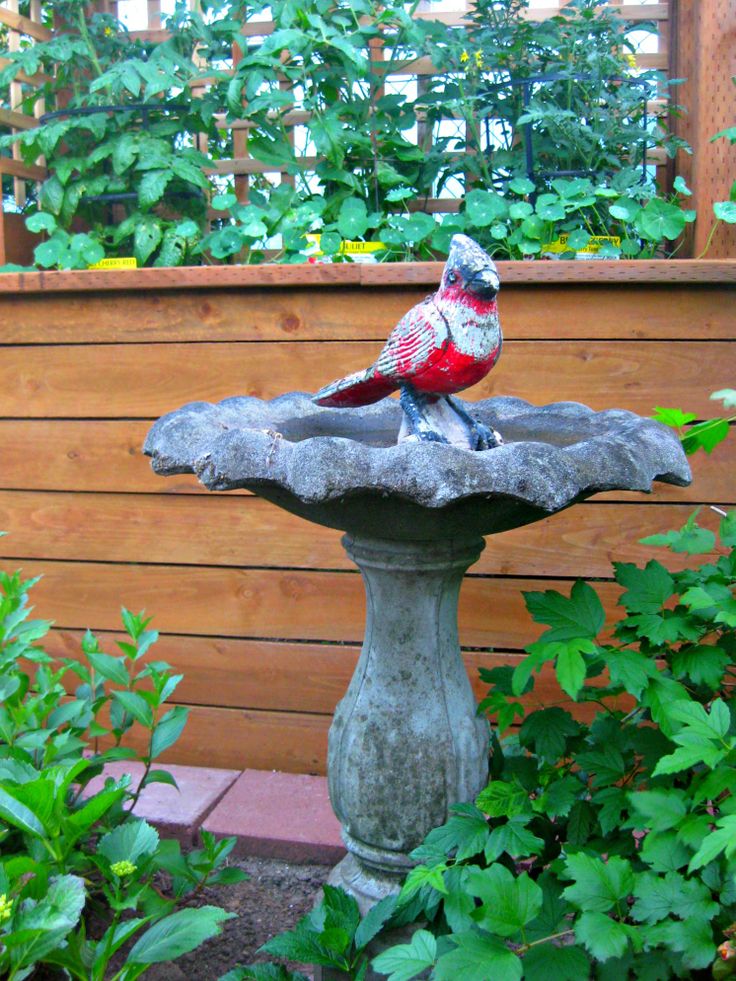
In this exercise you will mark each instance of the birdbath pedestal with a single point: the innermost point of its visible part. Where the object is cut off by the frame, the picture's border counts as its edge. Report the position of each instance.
(406, 742)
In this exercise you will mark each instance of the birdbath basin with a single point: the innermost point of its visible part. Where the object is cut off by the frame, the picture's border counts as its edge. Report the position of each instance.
(406, 743)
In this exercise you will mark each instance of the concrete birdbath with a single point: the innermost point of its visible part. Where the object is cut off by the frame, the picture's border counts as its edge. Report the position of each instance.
(406, 742)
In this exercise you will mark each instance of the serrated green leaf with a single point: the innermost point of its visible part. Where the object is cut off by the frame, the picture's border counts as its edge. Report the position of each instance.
(463, 835)
(514, 839)
(478, 957)
(502, 799)
(723, 839)
(547, 961)
(658, 810)
(509, 902)
(405, 961)
(598, 885)
(547, 732)
(580, 615)
(602, 937)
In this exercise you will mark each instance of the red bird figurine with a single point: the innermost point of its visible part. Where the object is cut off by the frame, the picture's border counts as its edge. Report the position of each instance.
(444, 344)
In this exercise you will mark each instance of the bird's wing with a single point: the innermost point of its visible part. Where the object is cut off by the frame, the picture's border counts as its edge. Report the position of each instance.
(415, 343)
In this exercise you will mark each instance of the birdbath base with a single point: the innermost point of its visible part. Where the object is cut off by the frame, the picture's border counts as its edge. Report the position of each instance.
(406, 742)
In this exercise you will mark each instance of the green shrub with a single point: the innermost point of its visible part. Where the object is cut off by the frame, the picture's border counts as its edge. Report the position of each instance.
(67, 853)
(603, 849)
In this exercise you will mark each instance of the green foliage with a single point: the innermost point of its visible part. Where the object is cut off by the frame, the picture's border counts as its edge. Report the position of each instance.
(604, 849)
(705, 435)
(352, 160)
(67, 849)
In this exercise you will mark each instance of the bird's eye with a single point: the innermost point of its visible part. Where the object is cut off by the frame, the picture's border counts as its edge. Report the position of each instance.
(452, 277)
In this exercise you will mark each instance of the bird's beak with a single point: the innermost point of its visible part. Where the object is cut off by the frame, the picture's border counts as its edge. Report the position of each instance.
(484, 284)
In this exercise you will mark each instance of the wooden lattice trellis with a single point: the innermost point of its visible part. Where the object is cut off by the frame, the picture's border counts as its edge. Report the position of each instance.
(678, 54)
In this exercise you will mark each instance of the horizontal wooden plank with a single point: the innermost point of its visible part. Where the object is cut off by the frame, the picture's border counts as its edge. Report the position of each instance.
(24, 25)
(391, 273)
(17, 120)
(292, 742)
(144, 381)
(265, 603)
(267, 677)
(16, 168)
(248, 531)
(99, 456)
(638, 312)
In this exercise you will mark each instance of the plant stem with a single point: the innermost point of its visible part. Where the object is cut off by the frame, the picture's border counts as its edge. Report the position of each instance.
(535, 943)
(712, 232)
(82, 23)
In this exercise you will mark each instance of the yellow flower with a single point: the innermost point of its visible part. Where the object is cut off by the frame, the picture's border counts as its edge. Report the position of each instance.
(108, 32)
(123, 868)
(6, 907)
(464, 57)
(630, 60)
(479, 59)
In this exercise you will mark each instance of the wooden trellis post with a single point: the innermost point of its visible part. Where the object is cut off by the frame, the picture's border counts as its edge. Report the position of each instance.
(703, 52)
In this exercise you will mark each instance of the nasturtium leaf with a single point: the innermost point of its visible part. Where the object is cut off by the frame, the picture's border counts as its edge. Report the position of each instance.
(578, 239)
(602, 937)
(478, 957)
(48, 253)
(521, 185)
(725, 395)
(352, 221)
(725, 211)
(520, 209)
(680, 186)
(41, 221)
(550, 208)
(625, 209)
(223, 202)
(659, 219)
(599, 885)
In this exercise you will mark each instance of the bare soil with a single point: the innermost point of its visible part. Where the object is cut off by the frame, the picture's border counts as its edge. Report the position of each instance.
(276, 895)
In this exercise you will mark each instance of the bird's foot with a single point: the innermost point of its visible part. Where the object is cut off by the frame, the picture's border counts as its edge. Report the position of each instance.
(414, 406)
(482, 437)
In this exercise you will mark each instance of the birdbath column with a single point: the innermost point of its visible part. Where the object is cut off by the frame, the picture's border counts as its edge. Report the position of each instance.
(406, 742)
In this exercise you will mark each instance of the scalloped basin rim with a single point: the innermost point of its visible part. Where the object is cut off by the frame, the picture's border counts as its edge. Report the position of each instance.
(333, 475)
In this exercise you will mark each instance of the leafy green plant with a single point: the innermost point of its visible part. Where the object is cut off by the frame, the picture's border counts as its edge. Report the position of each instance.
(705, 435)
(118, 147)
(69, 853)
(362, 153)
(606, 848)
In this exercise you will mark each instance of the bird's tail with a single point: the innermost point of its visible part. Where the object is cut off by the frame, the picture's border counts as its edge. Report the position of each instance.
(360, 388)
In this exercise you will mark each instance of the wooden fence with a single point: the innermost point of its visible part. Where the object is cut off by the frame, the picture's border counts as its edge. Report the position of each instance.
(262, 612)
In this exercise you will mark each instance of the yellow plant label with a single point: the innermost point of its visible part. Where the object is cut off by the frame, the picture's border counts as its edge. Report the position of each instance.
(359, 251)
(123, 262)
(593, 247)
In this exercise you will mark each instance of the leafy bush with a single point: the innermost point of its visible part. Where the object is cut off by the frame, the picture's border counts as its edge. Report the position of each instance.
(601, 849)
(363, 155)
(77, 868)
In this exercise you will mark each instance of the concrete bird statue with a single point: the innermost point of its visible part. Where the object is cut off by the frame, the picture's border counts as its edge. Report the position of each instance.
(444, 344)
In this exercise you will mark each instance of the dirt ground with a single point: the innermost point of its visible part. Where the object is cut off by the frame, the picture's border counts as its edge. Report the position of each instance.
(276, 895)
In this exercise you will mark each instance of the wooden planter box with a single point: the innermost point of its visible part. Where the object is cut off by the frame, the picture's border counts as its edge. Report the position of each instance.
(262, 612)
